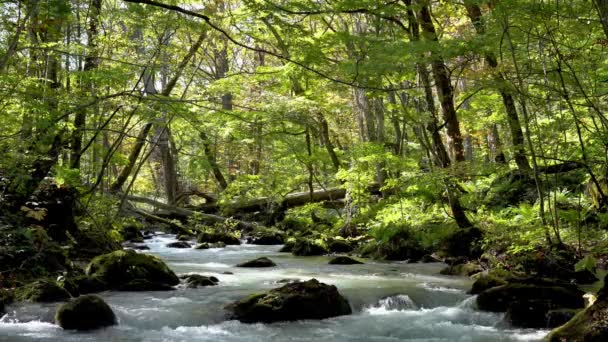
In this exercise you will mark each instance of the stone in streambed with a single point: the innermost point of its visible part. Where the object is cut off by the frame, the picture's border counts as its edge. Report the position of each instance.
(195, 280)
(85, 313)
(215, 237)
(294, 301)
(485, 282)
(42, 291)
(306, 247)
(131, 271)
(498, 299)
(344, 260)
(259, 262)
(179, 244)
(465, 270)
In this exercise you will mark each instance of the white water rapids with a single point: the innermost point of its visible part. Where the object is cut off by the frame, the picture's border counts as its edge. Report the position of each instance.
(390, 301)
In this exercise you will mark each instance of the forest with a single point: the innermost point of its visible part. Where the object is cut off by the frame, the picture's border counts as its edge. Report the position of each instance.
(359, 170)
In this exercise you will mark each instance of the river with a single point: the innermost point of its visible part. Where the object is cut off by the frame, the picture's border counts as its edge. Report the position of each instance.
(390, 301)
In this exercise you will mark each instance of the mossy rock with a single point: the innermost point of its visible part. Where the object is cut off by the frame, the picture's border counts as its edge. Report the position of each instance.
(119, 269)
(465, 270)
(83, 284)
(288, 246)
(484, 282)
(498, 299)
(203, 245)
(259, 262)
(195, 280)
(294, 301)
(179, 244)
(589, 325)
(215, 237)
(339, 246)
(267, 237)
(42, 291)
(344, 260)
(85, 313)
(306, 247)
(185, 237)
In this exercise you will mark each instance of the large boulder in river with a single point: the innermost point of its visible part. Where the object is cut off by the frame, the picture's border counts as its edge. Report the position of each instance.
(259, 262)
(589, 325)
(42, 291)
(485, 282)
(307, 247)
(85, 313)
(294, 301)
(498, 299)
(131, 271)
(344, 260)
(215, 237)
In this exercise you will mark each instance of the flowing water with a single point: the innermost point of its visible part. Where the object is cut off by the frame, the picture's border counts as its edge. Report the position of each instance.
(390, 301)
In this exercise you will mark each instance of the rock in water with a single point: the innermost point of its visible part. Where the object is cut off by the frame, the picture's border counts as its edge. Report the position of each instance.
(259, 262)
(344, 260)
(294, 301)
(42, 291)
(589, 325)
(126, 270)
(306, 247)
(498, 299)
(195, 280)
(85, 313)
(215, 237)
(179, 244)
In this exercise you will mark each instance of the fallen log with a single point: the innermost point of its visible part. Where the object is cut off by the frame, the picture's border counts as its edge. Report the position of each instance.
(296, 199)
(181, 213)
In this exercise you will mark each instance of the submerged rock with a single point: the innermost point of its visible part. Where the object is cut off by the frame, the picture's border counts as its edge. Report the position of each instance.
(179, 244)
(195, 280)
(126, 270)
(306, 247)
(85, 313)
(215, 237)
(42, 291)
(294, 301)
(259, 262)
(82, 284)
(203, 245)
(344, 260)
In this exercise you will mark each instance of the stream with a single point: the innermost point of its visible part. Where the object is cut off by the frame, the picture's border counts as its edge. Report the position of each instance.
(390, 301)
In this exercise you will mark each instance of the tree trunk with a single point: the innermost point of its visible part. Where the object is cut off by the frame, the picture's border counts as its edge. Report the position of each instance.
(445, 91)
(91, 63)
(602, 10)
(149, 90)
(517, 135)
(211, 158)
(324, 130)
(441, 154)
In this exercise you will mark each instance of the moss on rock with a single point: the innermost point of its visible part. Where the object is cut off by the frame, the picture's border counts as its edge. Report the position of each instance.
(294, 301)
(42, 291)
(85, 313)
(122, 269)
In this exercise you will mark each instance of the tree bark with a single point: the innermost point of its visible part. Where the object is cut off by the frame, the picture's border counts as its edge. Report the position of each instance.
(602, 10)
(445, 91)
(517, 135)
(91, 63)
